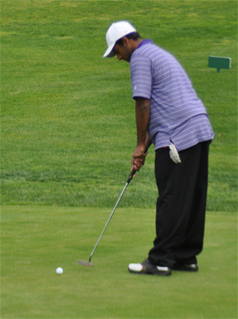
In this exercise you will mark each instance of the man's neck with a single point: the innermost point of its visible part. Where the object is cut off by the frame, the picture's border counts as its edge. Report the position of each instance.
(136, 43)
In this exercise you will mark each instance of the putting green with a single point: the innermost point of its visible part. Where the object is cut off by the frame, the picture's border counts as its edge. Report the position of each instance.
(37, 240)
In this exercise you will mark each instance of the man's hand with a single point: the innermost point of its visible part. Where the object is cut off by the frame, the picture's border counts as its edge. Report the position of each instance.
(138, 157)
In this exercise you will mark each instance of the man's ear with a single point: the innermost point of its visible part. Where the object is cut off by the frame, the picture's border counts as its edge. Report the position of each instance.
(125, 41)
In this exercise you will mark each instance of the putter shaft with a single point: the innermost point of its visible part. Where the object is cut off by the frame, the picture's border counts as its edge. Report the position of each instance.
(119, 198)
(91, 255)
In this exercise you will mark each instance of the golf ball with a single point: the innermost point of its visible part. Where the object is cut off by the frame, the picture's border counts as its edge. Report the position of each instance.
(59, 270)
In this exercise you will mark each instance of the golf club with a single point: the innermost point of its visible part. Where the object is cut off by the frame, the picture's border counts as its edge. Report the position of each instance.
(88, 263)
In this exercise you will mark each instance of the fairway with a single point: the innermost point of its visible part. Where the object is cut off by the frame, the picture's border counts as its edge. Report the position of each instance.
(67, 135)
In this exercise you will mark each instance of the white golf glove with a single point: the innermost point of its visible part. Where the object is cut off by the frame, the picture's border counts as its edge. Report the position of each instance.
(174, 155)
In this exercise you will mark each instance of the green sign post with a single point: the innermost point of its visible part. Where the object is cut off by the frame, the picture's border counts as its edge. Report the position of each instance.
(219, 63)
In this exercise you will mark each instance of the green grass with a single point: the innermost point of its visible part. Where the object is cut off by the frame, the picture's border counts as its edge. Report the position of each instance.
(67, 135)
(37, 240)
(68, 127)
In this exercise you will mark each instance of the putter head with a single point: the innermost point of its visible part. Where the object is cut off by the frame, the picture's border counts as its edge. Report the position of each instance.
(85, 263)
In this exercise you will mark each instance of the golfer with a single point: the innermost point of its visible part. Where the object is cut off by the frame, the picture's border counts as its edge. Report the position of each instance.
(170, 115)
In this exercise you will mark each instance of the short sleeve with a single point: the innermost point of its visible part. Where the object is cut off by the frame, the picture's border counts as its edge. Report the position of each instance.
(141, 77)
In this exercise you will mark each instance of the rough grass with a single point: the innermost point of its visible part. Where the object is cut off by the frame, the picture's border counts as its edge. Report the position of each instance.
(68, 127)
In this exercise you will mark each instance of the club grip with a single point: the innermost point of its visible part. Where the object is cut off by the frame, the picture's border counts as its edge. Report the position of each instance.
(131, 175)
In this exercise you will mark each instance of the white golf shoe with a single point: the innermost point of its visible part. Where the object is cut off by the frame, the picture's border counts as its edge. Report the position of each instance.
(146, 268)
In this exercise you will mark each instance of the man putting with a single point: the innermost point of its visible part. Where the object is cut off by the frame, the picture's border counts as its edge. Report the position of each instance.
(170, 115)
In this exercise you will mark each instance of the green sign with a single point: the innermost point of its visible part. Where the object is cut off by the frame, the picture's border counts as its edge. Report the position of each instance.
(219, 63)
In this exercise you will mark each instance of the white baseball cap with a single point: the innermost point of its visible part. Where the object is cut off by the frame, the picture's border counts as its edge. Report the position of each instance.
(116, 31)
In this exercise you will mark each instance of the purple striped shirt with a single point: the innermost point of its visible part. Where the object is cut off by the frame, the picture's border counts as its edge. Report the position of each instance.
(176, 112)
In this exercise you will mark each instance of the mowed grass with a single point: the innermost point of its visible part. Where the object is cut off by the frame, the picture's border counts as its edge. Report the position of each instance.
(36, 240)
(68, 124)
(67, 135)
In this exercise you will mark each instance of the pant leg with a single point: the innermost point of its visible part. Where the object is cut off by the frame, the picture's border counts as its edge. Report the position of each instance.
(179, 231)
(192, 243)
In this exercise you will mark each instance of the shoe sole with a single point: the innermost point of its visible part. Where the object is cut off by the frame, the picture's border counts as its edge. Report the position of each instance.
(159, 273)
(184, 268)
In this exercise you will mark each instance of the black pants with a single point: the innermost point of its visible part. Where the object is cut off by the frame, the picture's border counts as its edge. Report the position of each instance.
(181, 205)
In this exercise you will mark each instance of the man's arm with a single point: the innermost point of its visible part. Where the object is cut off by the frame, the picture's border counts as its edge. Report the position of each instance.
(148, 141)
(142, 110)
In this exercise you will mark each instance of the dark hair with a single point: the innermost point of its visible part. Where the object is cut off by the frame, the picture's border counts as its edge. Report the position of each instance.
(134, 36)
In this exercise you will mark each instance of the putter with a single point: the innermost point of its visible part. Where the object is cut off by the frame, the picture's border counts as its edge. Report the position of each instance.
(88, 263)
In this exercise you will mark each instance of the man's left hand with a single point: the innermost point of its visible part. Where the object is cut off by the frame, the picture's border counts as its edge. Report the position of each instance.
(138, 157)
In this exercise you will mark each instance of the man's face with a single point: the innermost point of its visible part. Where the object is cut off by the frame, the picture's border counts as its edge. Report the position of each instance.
(123, 52)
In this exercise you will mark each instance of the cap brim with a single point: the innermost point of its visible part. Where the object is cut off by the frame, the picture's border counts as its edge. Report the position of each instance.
(109, 52)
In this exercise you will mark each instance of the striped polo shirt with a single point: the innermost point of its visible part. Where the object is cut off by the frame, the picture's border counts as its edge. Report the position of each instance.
(176, 112)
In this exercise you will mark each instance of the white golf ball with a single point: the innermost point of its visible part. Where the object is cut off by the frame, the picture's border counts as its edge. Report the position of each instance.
(59, 271)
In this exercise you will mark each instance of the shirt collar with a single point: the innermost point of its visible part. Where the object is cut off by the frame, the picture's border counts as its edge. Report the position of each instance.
(146, 41)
